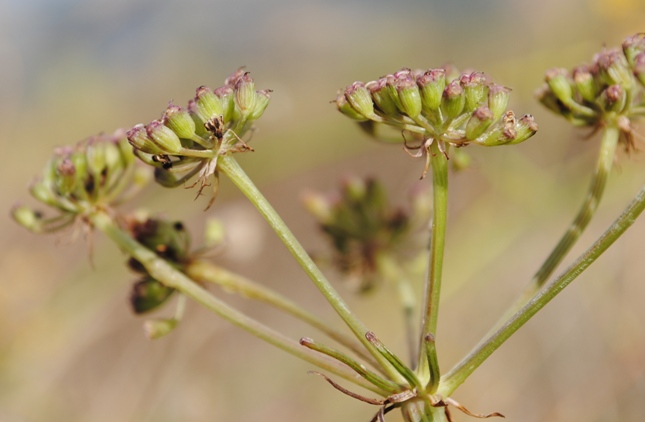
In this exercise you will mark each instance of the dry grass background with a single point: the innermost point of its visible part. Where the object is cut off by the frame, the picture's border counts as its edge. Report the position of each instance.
(70, 350)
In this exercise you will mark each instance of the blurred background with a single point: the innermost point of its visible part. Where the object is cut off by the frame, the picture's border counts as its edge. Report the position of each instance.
(71, 350)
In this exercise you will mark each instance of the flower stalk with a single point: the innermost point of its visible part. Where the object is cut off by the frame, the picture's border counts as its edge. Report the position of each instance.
(435, 262)
(164, 272)
(603, 168)
(229, 167)
(456, 376)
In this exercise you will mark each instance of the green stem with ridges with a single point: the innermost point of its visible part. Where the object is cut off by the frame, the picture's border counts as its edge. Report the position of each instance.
(235, 283)
(435, 264)
(233, 171)
(456, 376)
(604, 165)
(198, 153)
(394, 360)
(161, 270)
(431, 355)
(370, 376)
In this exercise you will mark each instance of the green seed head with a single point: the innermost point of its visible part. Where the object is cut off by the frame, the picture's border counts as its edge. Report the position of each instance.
(361, 226)
(409, 96)
(27, 218)
(95, 150)
(453, 101)
(585, 83)
(613, 99)
(474, 85)
(159, 327)
(498, 99)
(179, 121)
(633, 47)
(346, 108)
(381, 97)
(432, 84)
(139, 139)
(319, 206)
(434, 107)
(77, 180)
(481, 119)
(525, 127)
(168, 239)
(261, 102)
(148, 294)
(559, 82)
(226, 95)
(66, 177)
(360, 99)
(163, 137)
(207, 104)
(214, 233)
(232, 79)
(639, 68)
(614, 69)
(245, 95)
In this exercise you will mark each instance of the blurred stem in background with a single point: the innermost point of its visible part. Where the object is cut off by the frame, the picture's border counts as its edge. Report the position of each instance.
(234, 283)
(392, 271)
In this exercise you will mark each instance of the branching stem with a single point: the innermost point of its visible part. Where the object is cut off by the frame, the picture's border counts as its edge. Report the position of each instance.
(169, 276)
(454, 378)
(233, 171)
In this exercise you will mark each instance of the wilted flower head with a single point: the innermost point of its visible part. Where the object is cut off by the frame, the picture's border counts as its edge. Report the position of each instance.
(610, 89)
(95, 174)
(437, 106)
(360, 225)
(186, 142)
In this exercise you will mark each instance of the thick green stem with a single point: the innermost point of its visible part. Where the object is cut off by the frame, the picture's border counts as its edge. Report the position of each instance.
(232, 169)
(482, 351)
(235, 283)
(169, 276)
(587, 210)
(438, 236)
(419, 411)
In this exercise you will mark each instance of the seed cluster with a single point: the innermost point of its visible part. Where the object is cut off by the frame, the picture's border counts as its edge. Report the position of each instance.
(612, 87)
(360, 224)
(440, 105)
(186, 141)
(97, 172)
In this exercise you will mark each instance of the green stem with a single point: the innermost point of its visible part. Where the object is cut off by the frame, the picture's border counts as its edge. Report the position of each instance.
(435, 264)
(431, 355)
(169, 276)
(604, 164)
(406, 372)
(482, 351)
(393, 272)
(199, 153)
(232, 169)
(235, 283)
(370, 376)
(419, 411)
